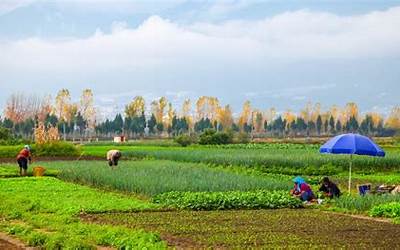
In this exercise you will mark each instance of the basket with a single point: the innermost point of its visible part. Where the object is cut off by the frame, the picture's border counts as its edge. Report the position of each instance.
(38, 171)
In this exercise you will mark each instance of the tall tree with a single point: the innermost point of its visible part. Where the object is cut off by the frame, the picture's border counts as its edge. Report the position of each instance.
(63, 108)
(136, 107)
(319, 124)
(393, 121)
(245, 115)
(86, 108)
(224, 117)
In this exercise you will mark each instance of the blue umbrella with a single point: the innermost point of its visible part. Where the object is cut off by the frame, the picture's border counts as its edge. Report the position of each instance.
(351, 144)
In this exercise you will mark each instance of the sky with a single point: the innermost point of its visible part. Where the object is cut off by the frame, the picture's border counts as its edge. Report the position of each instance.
(280, 54)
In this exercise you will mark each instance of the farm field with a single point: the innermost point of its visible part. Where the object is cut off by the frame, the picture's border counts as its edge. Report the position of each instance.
(233, 196)
(258, 229)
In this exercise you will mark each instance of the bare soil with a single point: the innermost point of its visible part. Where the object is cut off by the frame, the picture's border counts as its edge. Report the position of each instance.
(259, 229)
(9, 243)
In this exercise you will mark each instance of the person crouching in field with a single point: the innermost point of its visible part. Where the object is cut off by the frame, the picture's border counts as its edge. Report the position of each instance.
(22, 159)
(302, 190)
(329, 189)
(113, 157)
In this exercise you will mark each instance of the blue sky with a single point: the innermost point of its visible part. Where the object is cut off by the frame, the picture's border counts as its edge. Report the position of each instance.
(274, 53)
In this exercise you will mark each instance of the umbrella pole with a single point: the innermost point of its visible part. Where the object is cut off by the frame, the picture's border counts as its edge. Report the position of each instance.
(351, 163)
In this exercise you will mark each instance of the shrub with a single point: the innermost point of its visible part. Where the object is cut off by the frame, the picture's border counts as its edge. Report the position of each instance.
(211, 137)
(228, 200)
(56, 149)
(243, 138)
(5, 134)
(391, 210)
(183, 140)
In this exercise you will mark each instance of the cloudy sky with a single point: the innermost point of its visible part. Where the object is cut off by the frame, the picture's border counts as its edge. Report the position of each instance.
(273, 53)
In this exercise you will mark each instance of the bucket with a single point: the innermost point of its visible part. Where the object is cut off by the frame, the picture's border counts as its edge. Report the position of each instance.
(38, 171)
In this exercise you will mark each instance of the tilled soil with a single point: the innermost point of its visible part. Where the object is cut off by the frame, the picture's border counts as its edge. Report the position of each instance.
(259, 229)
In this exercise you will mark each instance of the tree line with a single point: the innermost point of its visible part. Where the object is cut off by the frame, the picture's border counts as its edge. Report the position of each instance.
(23, 113)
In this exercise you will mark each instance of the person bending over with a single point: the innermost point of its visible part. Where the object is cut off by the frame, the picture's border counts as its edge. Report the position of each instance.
(302, 190)
(22, 159)
(329, 189)
(113, 157)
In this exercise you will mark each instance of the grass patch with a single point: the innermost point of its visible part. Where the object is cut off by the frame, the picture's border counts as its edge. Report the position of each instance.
(43, 212)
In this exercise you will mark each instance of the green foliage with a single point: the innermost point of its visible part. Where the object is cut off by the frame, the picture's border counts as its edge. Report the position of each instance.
(183, 140)
(46, 211)
(5, 134)
(48, 149)
(155, 177)
(364, 203)
(391, 210)
(228, 200)
(211, 137)
(242, 138)
(56, 149)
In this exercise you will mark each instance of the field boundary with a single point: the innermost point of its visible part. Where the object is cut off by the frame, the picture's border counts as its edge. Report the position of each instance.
(359, 216)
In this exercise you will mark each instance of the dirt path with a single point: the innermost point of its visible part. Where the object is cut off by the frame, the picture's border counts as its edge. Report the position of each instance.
(9, 243)
(359, 216)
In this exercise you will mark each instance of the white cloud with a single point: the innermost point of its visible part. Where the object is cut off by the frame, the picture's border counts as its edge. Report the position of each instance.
(7, 6)
(157, 42)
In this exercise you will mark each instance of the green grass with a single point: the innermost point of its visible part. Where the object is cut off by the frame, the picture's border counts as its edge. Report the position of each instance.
(154, 177)
(44, 212)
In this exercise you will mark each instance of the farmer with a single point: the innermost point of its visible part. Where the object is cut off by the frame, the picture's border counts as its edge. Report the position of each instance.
(329, 189)
(22, 158)
(302, 190)
(113, 157)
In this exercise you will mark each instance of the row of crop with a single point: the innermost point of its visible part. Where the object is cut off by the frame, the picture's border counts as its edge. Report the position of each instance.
(387, 205)
(228, 200)
(154, 177)
(287, 161)
(284, 146)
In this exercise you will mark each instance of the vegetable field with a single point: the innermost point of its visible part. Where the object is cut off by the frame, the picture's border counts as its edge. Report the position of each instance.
(230, 196)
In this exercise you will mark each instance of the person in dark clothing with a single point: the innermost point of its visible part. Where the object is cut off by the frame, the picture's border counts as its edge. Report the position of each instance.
(22, 159)
(329, 189)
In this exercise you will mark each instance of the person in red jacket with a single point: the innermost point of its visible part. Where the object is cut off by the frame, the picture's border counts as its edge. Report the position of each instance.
(22, 158)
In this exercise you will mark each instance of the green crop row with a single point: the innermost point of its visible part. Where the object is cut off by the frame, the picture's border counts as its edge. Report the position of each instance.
(285, 161)
(391, 210)
(364, 203)
(228, 200)
(154, 177)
